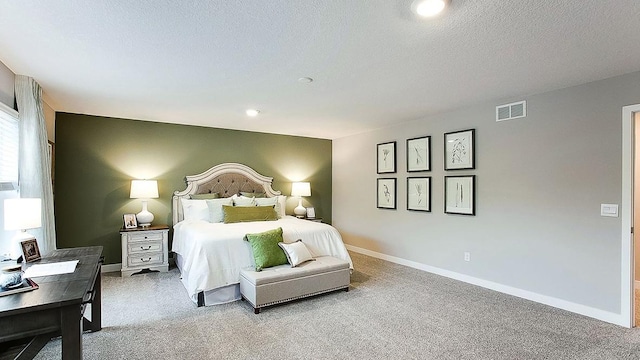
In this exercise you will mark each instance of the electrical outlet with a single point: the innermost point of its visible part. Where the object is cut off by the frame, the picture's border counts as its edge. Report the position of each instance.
(467, 256)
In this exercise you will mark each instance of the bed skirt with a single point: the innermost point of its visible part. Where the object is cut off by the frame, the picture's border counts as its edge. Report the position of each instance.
(223, 295)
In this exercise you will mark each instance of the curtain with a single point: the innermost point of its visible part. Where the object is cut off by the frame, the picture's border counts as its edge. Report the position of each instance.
(34, 169)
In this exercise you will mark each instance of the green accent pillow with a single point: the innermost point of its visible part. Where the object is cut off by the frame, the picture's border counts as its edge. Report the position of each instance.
(266, 251)
(234, 214)
(206, 196)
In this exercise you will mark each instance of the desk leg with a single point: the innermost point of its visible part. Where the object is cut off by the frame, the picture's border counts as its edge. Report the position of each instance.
(71, 324)
(96, 305)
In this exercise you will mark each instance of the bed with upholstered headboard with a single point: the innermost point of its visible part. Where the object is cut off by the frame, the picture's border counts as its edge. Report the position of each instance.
(210, 252)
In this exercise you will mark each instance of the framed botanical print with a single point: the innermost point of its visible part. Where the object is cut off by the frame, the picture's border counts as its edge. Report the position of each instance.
(459, 150)
(386, 198)
(419, 193)
(419, 154)
(459, 195)
(386, 155)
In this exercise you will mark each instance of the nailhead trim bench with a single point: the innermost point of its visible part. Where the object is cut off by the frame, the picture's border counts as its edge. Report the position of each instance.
(283, 283)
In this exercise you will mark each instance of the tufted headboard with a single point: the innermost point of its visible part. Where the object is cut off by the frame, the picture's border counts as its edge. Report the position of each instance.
(225, 179)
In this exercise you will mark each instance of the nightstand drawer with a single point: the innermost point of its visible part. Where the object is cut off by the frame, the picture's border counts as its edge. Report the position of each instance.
(150, 246)
(146, 236)
(145, 259)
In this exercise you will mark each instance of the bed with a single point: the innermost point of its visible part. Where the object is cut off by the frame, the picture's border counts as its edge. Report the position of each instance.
(210, 253)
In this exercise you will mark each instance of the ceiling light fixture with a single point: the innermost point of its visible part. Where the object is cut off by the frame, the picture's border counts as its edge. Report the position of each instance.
(252, 112)
(305, 80)
(428, 8)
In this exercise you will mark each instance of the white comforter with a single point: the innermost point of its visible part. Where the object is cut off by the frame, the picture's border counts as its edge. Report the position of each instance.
(214, 253)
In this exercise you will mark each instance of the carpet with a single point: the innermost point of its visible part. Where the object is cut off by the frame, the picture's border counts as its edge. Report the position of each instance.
(391, 312)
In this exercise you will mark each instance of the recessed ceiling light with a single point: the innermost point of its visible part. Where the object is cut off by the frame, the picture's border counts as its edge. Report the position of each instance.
(428, 8)
(305, 80)
(252, 112)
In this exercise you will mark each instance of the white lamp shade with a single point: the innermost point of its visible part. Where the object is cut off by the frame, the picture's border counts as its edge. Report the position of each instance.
(22, 214)
(300, 189)
(144, 189)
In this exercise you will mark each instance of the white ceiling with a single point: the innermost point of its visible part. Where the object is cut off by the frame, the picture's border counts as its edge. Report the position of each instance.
(374, 63)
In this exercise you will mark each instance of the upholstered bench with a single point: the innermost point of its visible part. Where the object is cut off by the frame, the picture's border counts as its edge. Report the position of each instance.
(283, 283)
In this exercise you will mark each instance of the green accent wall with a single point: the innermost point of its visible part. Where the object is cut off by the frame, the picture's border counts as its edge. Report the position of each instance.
(97, 157)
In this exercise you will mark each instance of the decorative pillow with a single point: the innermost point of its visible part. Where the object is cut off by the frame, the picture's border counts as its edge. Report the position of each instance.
(195, 209)
(296, 252)
(216, 214)
(234, 214)
(266, 251)
(243, 201)
(253, 194)
(206, 196)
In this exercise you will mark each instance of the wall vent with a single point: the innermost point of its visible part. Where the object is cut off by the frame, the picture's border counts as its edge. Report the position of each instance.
(511, 111)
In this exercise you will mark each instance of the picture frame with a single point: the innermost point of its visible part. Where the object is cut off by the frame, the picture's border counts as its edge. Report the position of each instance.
(460, 195)
(459, 150)
(419, 154)
(311, 213)
(130, 221)
(386, 158)
(30, 250)
(419, 194)
(386, 193)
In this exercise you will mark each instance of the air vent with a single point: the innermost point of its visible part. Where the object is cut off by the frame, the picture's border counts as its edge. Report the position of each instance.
(511, 111)
(7, 186)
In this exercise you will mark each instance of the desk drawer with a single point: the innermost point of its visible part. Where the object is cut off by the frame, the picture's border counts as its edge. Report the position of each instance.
(140, 248)
(147, 236)
(144, 259)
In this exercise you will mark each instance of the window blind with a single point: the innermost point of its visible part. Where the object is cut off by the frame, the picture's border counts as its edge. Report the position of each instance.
(9, 133)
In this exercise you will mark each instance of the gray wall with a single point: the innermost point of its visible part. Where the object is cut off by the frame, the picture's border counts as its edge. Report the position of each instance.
(540, 183)
(7, 80)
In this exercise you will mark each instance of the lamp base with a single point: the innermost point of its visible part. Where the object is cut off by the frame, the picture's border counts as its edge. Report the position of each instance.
(300, 211)
(144, 217)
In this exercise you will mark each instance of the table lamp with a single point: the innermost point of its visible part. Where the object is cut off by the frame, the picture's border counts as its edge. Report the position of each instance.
(22, 214)
(144, 189)
(300, 189)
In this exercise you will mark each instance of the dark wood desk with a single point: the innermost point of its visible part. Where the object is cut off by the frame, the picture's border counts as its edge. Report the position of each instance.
(57, 307)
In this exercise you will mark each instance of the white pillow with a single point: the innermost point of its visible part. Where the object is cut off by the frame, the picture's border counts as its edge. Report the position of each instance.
(195, 209)
(296, 252)
(279, 202)
(243, 201)
(216, 214)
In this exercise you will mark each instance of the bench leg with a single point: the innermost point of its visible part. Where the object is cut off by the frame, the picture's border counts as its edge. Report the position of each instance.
(346, 289)
(256, 310)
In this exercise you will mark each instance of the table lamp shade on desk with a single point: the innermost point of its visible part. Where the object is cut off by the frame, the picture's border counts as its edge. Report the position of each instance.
(22, 214)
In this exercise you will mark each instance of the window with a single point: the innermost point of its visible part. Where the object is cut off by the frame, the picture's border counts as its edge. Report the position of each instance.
(9, 133)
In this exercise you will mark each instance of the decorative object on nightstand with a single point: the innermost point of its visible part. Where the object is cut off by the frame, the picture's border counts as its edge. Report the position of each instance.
(145, 190)
(311, 213)
(145, 249)
(300, 189)
(22, 214)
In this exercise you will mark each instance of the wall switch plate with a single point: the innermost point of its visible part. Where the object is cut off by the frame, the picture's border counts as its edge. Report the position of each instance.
(467, 256)
(610, 210)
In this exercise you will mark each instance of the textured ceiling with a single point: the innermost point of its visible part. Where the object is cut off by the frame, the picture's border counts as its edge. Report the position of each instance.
(374, 63)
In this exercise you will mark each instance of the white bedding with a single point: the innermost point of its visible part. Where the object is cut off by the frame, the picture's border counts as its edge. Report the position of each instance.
(214, 253)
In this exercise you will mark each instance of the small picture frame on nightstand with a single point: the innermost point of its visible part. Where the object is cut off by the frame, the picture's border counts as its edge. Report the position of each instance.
(130, 221)
(311, 213)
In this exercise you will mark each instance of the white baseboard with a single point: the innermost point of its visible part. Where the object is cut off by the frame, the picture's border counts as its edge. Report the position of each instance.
(111, 268)
(543, 299)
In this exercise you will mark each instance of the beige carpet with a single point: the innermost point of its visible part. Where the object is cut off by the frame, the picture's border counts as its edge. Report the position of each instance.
(391, 312)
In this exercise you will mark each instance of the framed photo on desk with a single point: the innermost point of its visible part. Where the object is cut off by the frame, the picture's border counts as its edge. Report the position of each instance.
(30, 250)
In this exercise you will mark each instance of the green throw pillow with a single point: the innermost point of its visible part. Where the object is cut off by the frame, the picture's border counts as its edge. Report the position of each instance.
(234, 214)
(266, 251)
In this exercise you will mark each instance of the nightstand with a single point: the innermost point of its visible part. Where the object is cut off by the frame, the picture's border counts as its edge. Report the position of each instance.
(145, 248)
(314, 219)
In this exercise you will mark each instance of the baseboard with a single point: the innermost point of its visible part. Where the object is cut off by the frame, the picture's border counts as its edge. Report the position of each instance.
(543, 299)
(111, 268)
